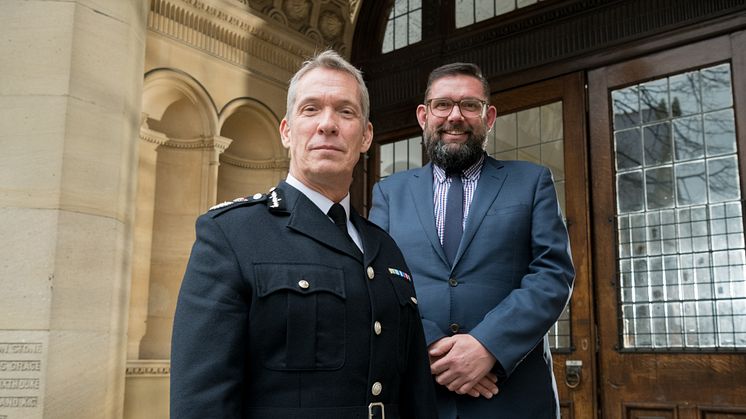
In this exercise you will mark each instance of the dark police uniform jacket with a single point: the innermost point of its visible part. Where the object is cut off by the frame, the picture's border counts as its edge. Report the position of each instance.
(279, 316)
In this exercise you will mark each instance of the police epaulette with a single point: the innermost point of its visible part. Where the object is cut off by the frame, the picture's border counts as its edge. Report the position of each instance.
(238, 202)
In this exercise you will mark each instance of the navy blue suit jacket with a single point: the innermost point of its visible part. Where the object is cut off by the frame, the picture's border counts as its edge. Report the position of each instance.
(511, 278)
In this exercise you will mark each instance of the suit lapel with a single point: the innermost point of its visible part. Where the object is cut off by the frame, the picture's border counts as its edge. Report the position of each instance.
(490, 182)
(421, 187)
(307, 219)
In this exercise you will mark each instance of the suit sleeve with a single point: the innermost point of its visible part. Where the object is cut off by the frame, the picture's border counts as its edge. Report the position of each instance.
(209, 332)
(519, 322)
(379, 214)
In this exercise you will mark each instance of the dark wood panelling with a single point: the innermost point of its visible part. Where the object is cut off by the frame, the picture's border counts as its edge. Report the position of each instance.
(543, 41)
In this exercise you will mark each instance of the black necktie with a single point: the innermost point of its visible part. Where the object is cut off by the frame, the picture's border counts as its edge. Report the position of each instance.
(454, 217)
(338, 215)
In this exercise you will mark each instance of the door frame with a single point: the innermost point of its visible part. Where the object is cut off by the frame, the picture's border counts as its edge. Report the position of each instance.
(615, 403)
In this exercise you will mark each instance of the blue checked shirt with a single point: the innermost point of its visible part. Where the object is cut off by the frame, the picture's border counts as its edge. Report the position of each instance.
(440, 192)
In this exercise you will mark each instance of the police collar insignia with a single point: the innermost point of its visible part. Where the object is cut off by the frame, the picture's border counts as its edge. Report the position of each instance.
(276, 200)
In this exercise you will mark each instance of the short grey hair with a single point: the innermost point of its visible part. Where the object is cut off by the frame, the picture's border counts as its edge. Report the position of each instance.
(332, 60)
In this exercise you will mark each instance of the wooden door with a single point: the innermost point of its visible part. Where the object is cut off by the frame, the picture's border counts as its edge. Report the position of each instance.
(545, 123)
(667, 163)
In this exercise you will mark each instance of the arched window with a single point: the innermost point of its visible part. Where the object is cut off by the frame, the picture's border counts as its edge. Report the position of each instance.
(404, 26)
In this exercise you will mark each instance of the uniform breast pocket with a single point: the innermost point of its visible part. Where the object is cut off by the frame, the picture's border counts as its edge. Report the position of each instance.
(409, 316)
(299, 316)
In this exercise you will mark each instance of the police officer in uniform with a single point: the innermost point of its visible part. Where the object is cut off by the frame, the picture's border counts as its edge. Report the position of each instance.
(292, 305)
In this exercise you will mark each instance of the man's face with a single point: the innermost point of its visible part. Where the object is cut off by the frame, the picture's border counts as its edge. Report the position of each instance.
(456, 141)
(325, 131)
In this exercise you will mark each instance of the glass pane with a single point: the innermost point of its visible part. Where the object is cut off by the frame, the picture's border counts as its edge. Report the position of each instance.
(532, 154)
(551, 122)
(387, 160)
(401, 149)
(716, 88)
(681, 256)
(483, 9)
(553, 157)
(628, 149)
(720, 131)
(690, 183)
(629, 192)
(404, 26)
(415, 152)
(626, 106)
(400, 32)
(505, 129)
(723, 179)
(388, 38)
(654, 100)
(415, 26)
(657, 143)
(504, 6)
(659, 188)
(688, 138)
(400, 7)
(400, 156)
(464, 13)
(529, 124)
(685, 94)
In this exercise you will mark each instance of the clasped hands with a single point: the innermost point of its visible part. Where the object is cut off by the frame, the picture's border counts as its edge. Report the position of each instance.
(463, 365)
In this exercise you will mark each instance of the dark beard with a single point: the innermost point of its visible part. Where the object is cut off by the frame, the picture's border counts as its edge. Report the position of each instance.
(450, 159)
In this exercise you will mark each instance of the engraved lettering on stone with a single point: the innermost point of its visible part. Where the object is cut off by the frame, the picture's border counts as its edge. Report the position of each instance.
(19, 383)
(20, 348)
(26, 402)
(20, 377)
(14, 366)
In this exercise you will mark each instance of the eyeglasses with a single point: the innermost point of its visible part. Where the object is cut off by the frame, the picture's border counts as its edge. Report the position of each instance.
(442, 107)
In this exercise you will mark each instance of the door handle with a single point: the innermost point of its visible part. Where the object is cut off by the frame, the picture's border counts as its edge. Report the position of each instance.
(573, 372)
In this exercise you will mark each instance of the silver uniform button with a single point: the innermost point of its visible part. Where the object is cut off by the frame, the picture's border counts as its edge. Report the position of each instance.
(370, 272)
(257, 196)
(414, 300)
(377, 387)
(377, 327)
(303, 284)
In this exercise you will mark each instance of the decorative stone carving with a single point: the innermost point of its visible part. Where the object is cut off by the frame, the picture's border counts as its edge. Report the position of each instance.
(233, 38)
(297, 10)
(327, 23)
(331, 25)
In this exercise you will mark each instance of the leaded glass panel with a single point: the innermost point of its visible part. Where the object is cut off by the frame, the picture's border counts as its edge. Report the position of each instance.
(681, 257)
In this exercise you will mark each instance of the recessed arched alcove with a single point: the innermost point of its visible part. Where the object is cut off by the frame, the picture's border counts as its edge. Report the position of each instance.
(255, 159)
(178, 150)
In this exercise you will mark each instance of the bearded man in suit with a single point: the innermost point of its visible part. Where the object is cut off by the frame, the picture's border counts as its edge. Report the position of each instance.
(489, 253)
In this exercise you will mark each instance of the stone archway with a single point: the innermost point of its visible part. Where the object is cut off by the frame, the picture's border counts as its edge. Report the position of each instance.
(255, 160)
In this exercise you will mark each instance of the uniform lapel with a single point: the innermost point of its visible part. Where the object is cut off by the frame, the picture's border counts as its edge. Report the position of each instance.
(490, 182)
(307, 219)
(371, 242)
(421, 186)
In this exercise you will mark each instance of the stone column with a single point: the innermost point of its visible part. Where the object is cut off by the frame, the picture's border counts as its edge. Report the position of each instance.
(70, 98)
(214, 147)
(143, 237)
